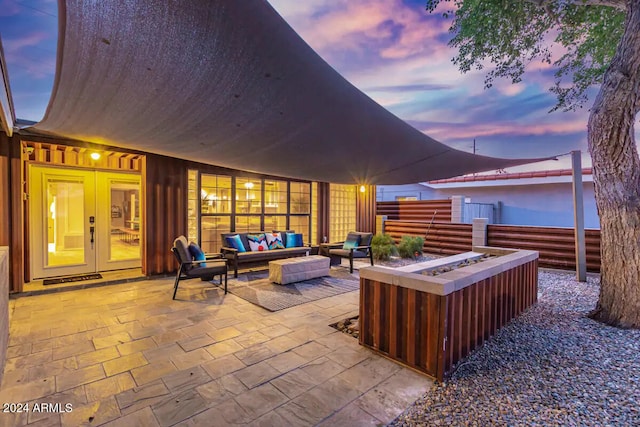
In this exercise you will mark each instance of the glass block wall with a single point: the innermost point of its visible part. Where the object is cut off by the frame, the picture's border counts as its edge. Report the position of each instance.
(342, 211)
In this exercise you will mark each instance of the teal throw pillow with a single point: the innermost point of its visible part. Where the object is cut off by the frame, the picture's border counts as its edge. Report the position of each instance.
(353, 241)
(274, 240)
(235, 242)
(294, 240)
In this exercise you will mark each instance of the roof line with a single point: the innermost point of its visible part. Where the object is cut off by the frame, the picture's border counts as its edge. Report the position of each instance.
(7, 112)
(505, 176)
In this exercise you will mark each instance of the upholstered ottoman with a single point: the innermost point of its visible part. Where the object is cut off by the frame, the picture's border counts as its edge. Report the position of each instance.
(289, 270)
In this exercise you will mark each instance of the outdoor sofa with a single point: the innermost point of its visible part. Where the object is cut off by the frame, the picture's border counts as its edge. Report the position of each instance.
(237, 257)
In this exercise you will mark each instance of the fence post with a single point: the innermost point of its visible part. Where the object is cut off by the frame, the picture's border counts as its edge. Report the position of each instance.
(380, 220)
(578, 215)
(479, 232)
(457, 209)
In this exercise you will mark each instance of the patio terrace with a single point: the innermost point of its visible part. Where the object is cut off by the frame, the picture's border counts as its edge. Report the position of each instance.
(127, 355)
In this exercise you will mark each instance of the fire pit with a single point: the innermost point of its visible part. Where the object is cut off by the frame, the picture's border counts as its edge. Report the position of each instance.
(431, 322)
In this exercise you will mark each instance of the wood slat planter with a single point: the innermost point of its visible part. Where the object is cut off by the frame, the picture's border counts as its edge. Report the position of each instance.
(429, 323)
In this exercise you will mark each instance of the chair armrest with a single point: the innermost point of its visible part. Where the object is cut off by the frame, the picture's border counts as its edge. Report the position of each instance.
(362, 247)
(194, 262)
(335, 245)
(225, 250)
(212, 256)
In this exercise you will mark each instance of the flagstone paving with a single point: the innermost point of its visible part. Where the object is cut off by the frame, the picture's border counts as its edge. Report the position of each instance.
(127, 355)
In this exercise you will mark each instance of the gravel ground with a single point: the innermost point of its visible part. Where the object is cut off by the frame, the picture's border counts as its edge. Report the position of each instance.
(551, 366)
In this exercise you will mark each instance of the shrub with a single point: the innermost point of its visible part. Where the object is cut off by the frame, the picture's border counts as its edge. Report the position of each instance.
(410, 246)
(383, 246)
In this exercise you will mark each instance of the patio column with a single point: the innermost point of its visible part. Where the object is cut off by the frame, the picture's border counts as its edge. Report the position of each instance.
(457, 209)
(479, 232)
(366, 208)
(578, 215)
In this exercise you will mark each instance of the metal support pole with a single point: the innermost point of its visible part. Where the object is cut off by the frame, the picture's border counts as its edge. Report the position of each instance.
(578, 215)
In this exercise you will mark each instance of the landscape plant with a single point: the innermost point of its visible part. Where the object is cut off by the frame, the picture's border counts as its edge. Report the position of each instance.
(599, 41)
(383, 247)
(410, 246)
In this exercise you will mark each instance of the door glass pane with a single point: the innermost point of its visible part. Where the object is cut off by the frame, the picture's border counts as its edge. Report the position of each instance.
(65, 222)
(125, 221)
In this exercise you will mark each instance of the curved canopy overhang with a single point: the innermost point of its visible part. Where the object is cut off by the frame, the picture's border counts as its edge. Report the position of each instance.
(229, 83)
(7, 114)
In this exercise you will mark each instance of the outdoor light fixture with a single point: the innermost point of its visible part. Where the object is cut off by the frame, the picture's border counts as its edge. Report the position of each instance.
(362, 189)
(95, 156)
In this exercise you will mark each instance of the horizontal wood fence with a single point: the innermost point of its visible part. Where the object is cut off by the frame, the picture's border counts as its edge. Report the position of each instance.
(430, 332)
(421, 210)
(555, 244)
(439, 237)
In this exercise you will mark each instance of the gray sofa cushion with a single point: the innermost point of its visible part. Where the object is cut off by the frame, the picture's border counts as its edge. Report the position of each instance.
(271, 254)
(345, 253)
(210, 267)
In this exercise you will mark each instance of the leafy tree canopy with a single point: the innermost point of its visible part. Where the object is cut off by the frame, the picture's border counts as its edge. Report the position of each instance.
(510, 34)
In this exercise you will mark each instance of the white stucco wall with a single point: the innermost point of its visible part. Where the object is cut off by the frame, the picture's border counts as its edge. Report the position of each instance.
(539, 204)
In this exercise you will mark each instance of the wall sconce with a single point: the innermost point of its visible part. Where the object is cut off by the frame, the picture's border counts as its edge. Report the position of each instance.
(95, 156)
(363, 189)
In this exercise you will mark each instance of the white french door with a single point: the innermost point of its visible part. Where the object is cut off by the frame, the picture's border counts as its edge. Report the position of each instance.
(82, 221)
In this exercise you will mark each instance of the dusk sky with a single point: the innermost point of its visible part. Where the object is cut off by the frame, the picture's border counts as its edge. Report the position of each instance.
(392, 50)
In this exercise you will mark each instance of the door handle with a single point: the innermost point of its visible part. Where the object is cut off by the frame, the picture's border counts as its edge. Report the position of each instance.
(92, 228)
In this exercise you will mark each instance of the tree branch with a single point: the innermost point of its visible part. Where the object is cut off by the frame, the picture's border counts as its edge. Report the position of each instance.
(617, 4)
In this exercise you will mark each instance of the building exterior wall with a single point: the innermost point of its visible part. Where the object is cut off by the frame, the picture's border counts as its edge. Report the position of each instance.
(4, 306)
(366, 209)
(539, 204)
(391, 193)
(164, 182)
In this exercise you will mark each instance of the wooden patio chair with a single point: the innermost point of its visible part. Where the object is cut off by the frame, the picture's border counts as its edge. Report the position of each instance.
(213, 265)
(357, 245)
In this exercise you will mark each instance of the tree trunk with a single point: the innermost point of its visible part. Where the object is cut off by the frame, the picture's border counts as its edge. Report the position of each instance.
(616, 170)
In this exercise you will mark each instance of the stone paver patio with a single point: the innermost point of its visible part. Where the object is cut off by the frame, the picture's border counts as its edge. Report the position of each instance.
(128, 355)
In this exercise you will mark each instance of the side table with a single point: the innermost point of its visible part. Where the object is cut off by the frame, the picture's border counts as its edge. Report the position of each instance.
(324, 251)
